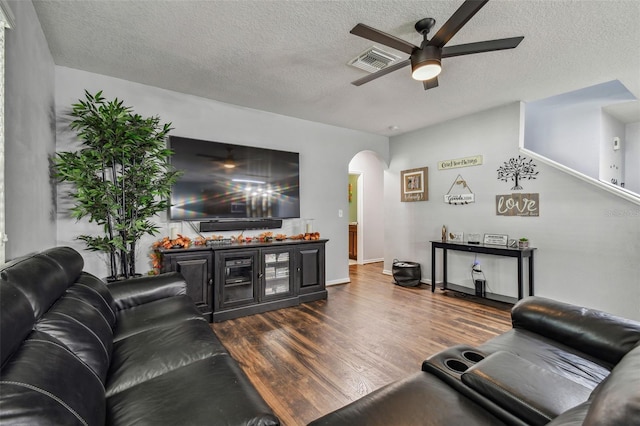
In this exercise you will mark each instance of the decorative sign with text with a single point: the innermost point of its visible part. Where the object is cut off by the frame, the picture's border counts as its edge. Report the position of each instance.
(459, 193)
(476, 160)
(518, 205)
(414, 184)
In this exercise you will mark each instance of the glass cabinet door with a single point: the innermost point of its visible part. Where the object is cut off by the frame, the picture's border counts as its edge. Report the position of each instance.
(277, 272)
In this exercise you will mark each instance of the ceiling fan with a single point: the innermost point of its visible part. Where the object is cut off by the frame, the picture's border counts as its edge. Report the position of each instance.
(426, 60)
(227, 162)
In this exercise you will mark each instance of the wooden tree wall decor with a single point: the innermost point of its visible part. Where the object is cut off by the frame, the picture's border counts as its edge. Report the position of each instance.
(517, 170)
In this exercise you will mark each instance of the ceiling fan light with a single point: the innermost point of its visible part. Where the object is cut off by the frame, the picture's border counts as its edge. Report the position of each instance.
(426, 71)
(228, 164)
(425, 63)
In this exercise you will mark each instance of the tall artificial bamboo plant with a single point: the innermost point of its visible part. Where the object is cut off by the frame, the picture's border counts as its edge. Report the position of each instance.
(121, 176)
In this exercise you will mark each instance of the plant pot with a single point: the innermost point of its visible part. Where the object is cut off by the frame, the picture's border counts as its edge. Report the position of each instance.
(121, 278)
(523, 244)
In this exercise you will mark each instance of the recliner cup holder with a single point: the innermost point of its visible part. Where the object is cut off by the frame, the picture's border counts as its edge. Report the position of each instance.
(451, 363)
(472, 356)
(456, 365)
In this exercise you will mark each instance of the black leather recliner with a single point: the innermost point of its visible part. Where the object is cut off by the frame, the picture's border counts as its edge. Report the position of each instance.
(137, 352)
(560, 365)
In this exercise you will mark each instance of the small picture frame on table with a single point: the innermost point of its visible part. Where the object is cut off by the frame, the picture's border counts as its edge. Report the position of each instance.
(455, 237)
(496, 239)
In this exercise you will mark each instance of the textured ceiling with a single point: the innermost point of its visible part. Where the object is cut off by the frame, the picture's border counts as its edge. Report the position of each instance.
(289, 57)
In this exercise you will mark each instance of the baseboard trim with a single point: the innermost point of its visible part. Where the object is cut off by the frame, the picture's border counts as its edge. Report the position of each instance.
(338, 281)
(364, 262)
(472, 292)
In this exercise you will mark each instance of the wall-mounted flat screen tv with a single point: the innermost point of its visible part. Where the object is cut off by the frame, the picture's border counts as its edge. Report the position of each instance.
(225, 181)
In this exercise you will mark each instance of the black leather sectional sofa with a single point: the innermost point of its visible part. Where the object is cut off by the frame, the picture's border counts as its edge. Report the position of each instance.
(78, 352)
(560, 365)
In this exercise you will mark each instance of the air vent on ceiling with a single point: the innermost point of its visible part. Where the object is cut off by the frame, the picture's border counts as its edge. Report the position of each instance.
(373, 59)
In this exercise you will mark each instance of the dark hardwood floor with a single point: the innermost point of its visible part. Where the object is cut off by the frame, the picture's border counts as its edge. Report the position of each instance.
(311, 359)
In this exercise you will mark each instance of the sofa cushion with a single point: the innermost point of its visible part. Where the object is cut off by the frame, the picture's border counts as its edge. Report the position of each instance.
(142, 290)
(616, 401)
(81, 328)
(572, 417)
(525, 389)
(69, 260)
(420, 399)
(593, 332)
(156, 314)
(40, 278)
(45, 384)
(551, 355)
(16, 319)
(88, 285)
(210, 391)
(158, 351)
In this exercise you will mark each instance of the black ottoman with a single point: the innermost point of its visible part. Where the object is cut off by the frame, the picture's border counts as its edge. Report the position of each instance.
(406, 274)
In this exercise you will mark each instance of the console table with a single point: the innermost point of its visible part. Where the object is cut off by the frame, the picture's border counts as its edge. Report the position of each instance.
(519, 254)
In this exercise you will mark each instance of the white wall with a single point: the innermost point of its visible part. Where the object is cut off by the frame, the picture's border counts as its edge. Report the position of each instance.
(29, 135)
(371, 168)
(632, 154)
(567, 128)
(325, 152)
(588, 240)
(612, 162)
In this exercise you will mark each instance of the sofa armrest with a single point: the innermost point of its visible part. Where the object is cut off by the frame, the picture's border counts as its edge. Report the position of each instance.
(529, 391)
(138, 291)
(596, 333)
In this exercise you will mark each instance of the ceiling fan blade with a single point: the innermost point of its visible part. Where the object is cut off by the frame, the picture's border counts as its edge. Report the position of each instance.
(481, 46)
(383, 71)
(456, 21)
(430, 84)
(377, 36)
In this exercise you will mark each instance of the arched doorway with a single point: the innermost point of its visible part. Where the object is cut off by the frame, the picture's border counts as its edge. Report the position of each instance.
(366, 207)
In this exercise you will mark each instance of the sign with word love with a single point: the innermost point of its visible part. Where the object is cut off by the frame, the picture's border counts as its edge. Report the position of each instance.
(518, 205)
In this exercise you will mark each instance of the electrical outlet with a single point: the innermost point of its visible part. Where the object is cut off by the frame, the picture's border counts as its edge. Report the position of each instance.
(339, 212)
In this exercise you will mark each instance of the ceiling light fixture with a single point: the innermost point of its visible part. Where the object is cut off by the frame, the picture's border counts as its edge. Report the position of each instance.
(228, 162)
(425, 63)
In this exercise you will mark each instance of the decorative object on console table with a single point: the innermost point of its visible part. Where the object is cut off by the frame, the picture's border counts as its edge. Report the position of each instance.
(414, 185)
(496, 239)
(474, 238)
(523, 243)
(121, 174)
(456, 237)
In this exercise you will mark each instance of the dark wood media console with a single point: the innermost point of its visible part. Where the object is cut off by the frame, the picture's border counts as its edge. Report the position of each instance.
(233, 280)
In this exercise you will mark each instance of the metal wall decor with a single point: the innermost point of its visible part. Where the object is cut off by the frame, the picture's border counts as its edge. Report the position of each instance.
(517, 170)
(461, 196)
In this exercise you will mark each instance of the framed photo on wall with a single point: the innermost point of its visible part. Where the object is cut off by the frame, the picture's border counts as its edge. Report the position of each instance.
(414, 184)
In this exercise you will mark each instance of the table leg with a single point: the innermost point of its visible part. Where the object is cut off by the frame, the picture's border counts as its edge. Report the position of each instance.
(433, 268)
(520, 287)
(531, 274)
(444, 269)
